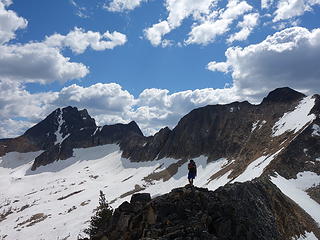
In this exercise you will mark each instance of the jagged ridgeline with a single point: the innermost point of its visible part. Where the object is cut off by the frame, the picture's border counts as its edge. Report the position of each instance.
(56, 169)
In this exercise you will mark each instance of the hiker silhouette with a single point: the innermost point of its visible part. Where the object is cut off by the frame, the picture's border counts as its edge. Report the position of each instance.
(192, 171)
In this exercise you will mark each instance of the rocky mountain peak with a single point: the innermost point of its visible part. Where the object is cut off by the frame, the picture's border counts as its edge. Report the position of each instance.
(283, 95)
(64, 130)
(58, 125)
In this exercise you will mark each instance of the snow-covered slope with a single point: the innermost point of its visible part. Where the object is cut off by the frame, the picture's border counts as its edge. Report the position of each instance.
(57, 200)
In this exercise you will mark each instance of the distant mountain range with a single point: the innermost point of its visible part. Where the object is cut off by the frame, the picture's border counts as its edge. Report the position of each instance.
(278, 139)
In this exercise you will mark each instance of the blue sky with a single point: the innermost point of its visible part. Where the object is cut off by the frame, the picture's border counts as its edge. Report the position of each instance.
(150, 61)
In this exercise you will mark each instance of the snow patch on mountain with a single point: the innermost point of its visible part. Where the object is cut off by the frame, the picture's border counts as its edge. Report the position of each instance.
(59, 135)
(254, 125)
(293, 191)
(306, 180)
(295, 120)
(98, 129)
(256, 168)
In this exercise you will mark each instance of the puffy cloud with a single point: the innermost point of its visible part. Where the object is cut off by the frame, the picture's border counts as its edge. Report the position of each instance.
(43, 62)
(287, 58)
(37, 62)
(218, 66)
(178, 11)
(10, 22)
(78, 40)
(123, 5)
(155, 33)
(181, 9)
(99, 98)
(207, 31)
(16, 102)
(209, 21)
(247, 25)
(287, 9)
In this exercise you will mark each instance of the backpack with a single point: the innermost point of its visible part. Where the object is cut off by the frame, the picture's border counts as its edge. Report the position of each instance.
(192, 167)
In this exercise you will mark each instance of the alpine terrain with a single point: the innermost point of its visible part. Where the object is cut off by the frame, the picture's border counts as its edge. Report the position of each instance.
(258, 174)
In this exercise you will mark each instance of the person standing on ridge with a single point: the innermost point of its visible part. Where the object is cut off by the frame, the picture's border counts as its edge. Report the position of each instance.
(192, 171)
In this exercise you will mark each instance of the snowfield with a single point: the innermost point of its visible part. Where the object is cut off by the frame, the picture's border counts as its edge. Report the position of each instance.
(256, 168)
(56, 201)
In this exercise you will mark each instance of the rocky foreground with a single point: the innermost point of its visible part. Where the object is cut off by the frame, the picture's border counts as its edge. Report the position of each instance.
(250, 210)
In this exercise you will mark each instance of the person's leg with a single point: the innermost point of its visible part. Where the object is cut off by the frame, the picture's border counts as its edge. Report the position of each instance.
(191, 181)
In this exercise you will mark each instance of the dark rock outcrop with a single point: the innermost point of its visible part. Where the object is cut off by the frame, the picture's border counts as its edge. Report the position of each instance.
(61, 121)
(281, 95)
(140, 148)
(252, 210)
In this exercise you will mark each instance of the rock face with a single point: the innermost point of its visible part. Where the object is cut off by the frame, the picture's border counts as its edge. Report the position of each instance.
(238, 131)
(251, 210)
(217, 130)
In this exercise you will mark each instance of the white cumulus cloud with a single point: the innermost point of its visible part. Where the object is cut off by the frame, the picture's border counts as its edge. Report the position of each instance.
(36, 62)
(206, 32)
(247, 25)
(178, 11)
(16, 102)
(155, 33)
(287, 58)
(44, 62)
(78, 40)
(287, 9)
(10, 22)
(107, 98)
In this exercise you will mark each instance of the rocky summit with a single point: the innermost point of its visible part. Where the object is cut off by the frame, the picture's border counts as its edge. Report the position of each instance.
(62, 131)
(251, 210)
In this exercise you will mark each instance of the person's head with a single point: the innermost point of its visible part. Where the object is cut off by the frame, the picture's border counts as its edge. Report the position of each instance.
(191, 161)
